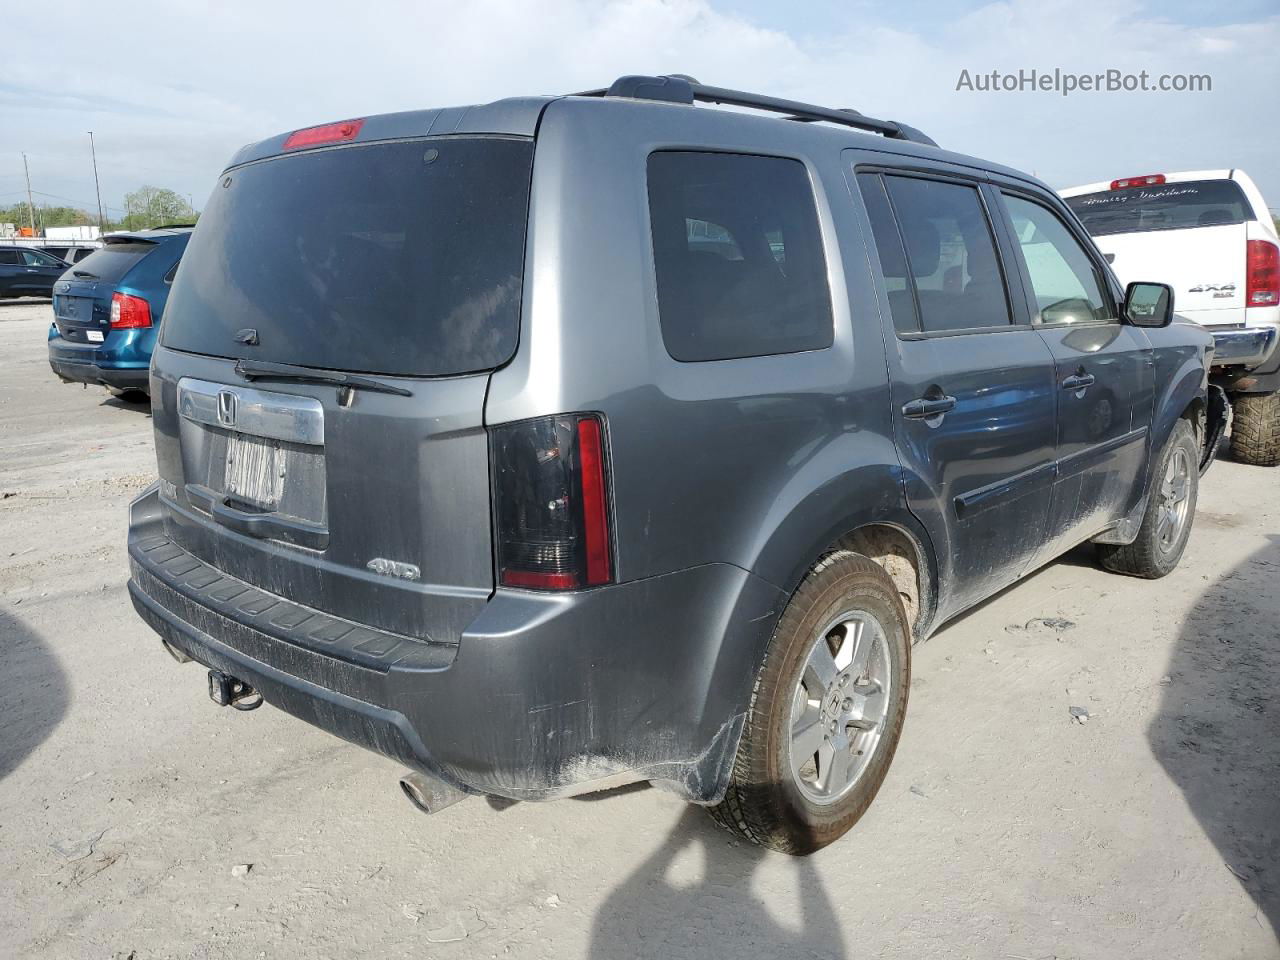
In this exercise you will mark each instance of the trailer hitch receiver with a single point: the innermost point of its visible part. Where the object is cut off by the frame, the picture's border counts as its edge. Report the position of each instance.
(228, 691)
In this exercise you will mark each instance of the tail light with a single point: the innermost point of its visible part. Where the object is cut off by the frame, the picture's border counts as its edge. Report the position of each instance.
(1263, 284)
(129, 312)
(551, 503)
(1150, 180)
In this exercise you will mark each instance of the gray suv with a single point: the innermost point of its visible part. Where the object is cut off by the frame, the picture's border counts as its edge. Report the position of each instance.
(567, 442)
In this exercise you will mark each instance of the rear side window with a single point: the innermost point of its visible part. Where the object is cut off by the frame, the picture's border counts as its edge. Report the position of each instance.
(110, 263)
(893, 259)
(11, 257)
(400, 257)
(738, 256)
(951, 254)
(1166, 206)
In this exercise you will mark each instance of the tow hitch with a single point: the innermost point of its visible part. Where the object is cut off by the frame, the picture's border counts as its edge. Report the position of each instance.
(227, 691)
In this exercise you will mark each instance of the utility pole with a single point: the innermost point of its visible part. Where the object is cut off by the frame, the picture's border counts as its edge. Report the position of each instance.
(97, 186)
(31, 207)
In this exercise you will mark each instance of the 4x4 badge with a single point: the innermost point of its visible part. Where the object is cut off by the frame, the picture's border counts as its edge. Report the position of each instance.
(227, 404)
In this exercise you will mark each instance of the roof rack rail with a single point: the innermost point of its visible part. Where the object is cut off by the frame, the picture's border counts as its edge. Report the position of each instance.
(170, 226)
(679, 88)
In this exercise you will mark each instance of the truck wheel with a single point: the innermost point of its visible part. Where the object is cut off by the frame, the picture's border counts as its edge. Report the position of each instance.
(826, 712)
(1171, 508)
(1255, 431)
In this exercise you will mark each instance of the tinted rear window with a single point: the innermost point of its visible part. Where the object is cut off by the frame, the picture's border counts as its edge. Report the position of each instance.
(402, 258)
(739, 256)
(112, 262)
(1168, 206)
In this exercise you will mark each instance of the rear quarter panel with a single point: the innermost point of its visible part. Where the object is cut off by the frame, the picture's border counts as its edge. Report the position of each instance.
(757, 463)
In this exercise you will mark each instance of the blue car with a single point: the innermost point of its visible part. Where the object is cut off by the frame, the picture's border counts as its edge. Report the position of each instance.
(107, 309)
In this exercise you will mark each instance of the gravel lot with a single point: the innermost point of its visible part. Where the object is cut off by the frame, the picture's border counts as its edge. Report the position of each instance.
(130, 805)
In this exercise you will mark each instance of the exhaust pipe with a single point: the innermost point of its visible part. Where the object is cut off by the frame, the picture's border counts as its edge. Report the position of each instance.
(429, 794)
(174, 652)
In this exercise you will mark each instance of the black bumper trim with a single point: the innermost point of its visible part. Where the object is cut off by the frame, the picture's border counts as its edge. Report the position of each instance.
(120, 378)
(357, 721)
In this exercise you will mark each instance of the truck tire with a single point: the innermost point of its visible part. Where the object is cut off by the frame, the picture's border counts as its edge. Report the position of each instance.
(1255, 430)
(1170, 512)
(826, 712)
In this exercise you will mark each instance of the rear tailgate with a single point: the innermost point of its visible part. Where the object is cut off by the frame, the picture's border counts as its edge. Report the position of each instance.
(376, 512)
(400, 262)
(1204, 265)
(82, 297)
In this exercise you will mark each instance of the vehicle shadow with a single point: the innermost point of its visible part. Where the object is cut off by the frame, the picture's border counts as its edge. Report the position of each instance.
(693, 898)
(134, 401)
(1217, 732)
(34, 692)
(26, 302)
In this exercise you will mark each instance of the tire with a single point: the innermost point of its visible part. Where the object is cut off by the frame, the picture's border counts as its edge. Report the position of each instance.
(1156, 550)
(848, 601)
(1255, 429)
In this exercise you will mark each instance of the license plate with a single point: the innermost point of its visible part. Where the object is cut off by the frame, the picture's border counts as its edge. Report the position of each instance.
(93, 336)
(255, 470)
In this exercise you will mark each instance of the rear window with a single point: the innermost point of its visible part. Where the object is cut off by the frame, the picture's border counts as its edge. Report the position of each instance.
(1167, 206)
(112, 262)
(738, 256)
(402, 258)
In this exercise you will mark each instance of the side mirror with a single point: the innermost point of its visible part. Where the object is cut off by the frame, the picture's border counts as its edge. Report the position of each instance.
(1148, 304)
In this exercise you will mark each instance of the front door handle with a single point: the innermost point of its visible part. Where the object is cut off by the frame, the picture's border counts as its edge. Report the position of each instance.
(923, 408)
(1079, 381)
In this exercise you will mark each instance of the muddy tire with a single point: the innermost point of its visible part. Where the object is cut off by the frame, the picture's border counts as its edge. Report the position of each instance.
(826, 712)
(1171, 510)
(1255, 429)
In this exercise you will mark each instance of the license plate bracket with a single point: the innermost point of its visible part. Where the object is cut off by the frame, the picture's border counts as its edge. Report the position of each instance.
(255, 470)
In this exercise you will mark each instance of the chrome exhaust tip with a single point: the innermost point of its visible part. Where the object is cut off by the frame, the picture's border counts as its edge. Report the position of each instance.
(429, 794)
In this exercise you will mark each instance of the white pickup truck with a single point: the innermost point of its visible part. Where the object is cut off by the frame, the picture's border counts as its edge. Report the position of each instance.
(1209, 235)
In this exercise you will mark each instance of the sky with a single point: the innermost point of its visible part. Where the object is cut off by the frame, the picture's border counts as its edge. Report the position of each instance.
(172, 89)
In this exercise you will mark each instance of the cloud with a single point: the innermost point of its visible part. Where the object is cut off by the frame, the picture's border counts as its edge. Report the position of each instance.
(173, 90)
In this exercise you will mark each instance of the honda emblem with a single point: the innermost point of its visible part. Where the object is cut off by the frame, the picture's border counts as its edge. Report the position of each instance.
(227, 403)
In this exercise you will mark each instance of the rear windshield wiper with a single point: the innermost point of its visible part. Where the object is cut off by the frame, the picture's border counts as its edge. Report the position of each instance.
(263, 370)
(85, 275)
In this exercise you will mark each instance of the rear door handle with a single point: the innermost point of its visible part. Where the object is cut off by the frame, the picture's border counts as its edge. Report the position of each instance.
(1079, 381)
(923, 408)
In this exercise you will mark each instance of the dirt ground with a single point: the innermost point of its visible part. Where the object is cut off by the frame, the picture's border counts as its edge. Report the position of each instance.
(130, 806)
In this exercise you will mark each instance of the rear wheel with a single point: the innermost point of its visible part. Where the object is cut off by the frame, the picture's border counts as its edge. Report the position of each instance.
(827, 710)
(1171, 508)
(1255, 429)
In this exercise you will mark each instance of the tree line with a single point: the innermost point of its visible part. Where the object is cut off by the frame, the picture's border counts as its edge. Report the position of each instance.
(145, 207)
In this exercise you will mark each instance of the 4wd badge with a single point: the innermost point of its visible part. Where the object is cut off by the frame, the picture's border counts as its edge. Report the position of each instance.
(394, 568)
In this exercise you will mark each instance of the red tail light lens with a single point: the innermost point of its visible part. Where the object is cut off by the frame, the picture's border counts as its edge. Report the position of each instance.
(1150, 180)
(1263, 276)
(325, 133)
(551, 503)
(129, 312)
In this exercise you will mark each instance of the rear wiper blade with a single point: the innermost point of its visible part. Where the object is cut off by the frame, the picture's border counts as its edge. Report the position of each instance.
(85, 275)
(263, 370)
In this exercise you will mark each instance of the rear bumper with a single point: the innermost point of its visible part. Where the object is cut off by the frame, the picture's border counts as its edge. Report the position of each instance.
(121, 378)
(544, 696)
(122, 361)
(1245, 346)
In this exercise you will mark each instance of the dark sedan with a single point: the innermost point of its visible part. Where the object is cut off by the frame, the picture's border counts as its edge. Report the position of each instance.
(28, 273)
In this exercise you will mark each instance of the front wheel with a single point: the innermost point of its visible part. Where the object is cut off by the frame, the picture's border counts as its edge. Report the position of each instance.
(1255, 429)
(827, 710)
(1171, 508)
